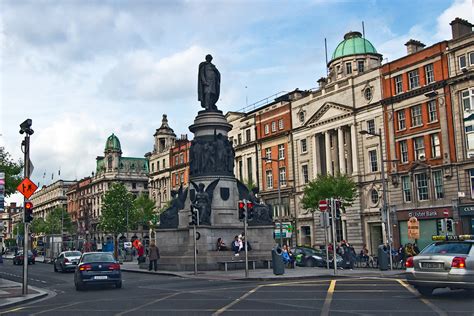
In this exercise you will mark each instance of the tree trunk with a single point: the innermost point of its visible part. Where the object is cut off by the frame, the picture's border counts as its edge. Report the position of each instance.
(116, 247)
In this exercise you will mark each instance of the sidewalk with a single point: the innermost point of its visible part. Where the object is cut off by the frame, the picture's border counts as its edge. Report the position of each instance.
(11, 294)
(267, 274)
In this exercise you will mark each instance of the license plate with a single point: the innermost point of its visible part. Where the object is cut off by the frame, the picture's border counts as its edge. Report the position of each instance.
(100, 277)
(431, 265)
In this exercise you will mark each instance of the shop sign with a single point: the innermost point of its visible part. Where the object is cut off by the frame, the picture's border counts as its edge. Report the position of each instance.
(466, 210)
(423, 214)
(413, 228)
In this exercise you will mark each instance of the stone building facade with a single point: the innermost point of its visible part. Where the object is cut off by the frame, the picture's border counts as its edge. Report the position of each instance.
(50, 197)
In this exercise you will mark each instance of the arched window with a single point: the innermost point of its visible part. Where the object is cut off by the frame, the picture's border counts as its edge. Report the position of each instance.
(109, 163)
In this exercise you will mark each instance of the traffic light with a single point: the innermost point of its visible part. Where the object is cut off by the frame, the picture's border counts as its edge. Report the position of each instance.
(194, 216)
(28, 211)
(338, 209)
(241, 210)
(449, 225)
(249, 210)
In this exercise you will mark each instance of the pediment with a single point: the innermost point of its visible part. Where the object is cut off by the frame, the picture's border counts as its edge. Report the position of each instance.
(329, 112)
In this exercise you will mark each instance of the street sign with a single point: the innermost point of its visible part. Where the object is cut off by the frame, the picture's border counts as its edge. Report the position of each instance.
(27, 188)
(446, 213)
(413, 228)
(323, 205)
(324, 219)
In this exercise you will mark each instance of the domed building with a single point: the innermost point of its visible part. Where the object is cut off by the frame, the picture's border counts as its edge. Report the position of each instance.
(353, 56)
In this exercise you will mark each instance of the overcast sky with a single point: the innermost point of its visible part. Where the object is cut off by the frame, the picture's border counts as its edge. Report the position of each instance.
(82, 70)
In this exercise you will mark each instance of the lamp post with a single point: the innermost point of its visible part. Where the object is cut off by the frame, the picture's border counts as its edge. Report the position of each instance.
(279, 197)
(385, 211)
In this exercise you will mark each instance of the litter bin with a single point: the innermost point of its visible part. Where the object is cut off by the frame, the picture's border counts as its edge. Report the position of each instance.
(277, 261)
(382, 253)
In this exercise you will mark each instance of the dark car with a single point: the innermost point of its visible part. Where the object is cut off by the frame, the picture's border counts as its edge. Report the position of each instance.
(67, 261)
(97, 268)
(309, 257)
(18, 258)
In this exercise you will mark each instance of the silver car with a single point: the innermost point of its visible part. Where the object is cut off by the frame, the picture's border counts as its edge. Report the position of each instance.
(67, 261)
(445, 263)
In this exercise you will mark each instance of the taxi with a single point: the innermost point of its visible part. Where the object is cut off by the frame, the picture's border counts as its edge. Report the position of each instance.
(446, 263)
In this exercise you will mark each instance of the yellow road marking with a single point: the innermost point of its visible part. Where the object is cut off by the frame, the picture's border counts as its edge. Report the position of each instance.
(327, 302)
(12, 310)
(150, 303)
(223, 309)
(435, 308)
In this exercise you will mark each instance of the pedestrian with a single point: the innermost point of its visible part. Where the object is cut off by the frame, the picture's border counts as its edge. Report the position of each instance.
(220, 246)
(141, 253)
(153, 256)
(236, 246)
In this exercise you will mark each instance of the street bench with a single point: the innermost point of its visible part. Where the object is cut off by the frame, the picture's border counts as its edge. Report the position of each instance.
(267, 263)
(226, 263)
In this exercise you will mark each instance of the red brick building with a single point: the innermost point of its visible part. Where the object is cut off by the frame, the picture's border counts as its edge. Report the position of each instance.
(179, 162)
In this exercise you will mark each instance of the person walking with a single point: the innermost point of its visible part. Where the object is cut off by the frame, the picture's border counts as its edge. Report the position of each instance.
(153, 256)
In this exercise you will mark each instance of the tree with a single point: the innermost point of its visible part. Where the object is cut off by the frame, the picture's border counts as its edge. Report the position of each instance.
(18, 229)
(117, 205)
(144, 210)
(38, 225)
(13, 171)
(57, 219)
(250, 184)
(327, 186)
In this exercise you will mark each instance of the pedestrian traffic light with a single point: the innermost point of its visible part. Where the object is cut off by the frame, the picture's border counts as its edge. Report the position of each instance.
(241, 210)
(28, 211)
(194, 216)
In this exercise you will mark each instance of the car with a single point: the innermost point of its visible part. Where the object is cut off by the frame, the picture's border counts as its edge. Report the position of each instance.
(309, 257)
(67, 261)
(18, 258)
(446, 263)
(97, 268)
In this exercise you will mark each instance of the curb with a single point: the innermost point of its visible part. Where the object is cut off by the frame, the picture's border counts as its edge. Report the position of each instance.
(156, 273)
(27, 300)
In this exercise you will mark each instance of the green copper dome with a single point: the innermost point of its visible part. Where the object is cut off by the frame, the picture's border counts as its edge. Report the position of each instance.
(113, 143)
(353, 44)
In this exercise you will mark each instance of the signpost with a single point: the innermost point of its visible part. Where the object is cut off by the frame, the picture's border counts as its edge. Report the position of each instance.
(27, 188)
(323, 205)
(413, 228)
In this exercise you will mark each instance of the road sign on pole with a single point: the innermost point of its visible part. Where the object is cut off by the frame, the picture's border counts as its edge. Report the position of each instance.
(413, 228)
(323, 205)
(446, 213)
(27, 188)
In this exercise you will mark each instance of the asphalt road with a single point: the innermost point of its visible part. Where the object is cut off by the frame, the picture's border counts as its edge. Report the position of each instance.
(145, 294)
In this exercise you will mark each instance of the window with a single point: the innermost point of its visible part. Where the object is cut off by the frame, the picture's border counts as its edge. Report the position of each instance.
(157, 165)
(301, 116)
(398, 84)
(416, 118)
(176, 179)
(281, 152)
(403, 151)
(247, 135)
(438, 184)
(406, 188)
(330, 140)
(429, 73)
(421, 186)
(304, 173)
(304, 148)
(280, 124)
(462, 62)
(471, 58)
(164, 163)
(282, 176)
(360, 66)
(401, 120)
(432, 112)
(181, 158)
(249, 170)
(266, 129)
(371, 126)
(348, 68)
(182, 178)
(274, 126)
(419, 146)
(374, 196)
(368, 94)
(373, 161)
(239, 139)
(268, 153)
(176, 160)
(467, 99)
(269, 179)
(152, 167)
(435, 146)
(413, 79)
(241, 169)
(471, 173)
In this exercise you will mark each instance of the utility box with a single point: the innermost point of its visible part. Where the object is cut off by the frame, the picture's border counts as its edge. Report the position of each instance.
(277, 261)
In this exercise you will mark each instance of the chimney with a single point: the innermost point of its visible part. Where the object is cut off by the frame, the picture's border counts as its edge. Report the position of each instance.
(460, 27)
(414, 46)
(322, 82)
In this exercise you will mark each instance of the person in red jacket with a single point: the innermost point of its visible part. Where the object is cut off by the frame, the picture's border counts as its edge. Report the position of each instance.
(141, 253)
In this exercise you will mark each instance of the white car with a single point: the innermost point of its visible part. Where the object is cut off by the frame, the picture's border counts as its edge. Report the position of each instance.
(67, 261)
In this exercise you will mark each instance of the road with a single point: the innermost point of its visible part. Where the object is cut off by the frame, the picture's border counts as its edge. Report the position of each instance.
(145, 294)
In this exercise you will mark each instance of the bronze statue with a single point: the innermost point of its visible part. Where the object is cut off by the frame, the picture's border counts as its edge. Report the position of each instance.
(209, 84)
(203, 200)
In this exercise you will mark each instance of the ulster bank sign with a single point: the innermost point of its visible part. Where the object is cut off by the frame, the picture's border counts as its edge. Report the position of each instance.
(466, 210)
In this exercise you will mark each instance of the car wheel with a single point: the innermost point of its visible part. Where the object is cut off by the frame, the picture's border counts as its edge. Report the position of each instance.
(55, 269)
(118, 285)
(79, 287)
(310, 263)
(425, 290)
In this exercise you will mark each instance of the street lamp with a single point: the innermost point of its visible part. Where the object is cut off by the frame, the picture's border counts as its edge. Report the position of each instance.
(279, 197)
(384, 192)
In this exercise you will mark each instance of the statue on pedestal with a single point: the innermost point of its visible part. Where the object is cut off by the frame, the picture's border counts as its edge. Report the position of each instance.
(169, 218)
(209, 84)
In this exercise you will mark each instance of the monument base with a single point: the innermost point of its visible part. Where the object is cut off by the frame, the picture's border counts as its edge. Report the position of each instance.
(178, 245)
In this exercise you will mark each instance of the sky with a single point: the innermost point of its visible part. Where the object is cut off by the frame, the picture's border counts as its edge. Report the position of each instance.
(84, 69)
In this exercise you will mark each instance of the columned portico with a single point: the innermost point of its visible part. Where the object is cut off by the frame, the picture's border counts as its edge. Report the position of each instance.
(327, 139)
(340, 142)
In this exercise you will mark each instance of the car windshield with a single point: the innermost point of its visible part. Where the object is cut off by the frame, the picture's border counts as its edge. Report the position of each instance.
(98, 257)
(72, 254)
(311, 252)
(448, 248)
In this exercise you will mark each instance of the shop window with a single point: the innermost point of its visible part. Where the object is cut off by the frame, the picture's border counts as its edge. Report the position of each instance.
(421, 181)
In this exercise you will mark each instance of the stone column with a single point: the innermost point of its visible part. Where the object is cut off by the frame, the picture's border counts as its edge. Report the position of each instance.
(340, 143)
(315, 155)
(328, 152)
(355, 160)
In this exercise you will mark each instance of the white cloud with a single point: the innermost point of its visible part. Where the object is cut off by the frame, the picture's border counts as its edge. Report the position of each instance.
(459, 9)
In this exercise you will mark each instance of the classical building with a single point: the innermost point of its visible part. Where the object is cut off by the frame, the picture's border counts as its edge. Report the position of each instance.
(460, 55)
(159, 162)
(50, 197)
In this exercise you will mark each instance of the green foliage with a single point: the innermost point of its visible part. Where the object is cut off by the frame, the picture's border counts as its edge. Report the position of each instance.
(10, 242)
(327, 186)
(52, 224)
(18, 229)
(250, 184)
(144, 209)
(117, 201)
(13, 171)
(38, 225)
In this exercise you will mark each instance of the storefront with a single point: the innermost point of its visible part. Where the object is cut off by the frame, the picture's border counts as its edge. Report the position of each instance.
(466, 212)
(429, 223)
